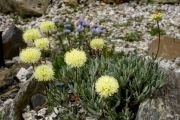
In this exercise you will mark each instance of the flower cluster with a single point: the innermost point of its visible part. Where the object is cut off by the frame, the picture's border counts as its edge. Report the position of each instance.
(30, 55)
(106, 86)
(31, 35)
(75, 58)
(42, 43)
(47, 26)
(97, 43)
(33, 54)
(156, 16)
(44, 73)
(95, 29)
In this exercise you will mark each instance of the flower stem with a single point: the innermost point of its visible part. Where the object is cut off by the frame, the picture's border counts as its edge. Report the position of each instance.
(76, 74)
(159, 39)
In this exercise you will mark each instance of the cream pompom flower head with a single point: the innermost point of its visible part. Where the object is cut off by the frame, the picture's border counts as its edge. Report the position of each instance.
(42, 43)
(156, 16)
(97, 43)
(75, 58)
(44, 73)
(30, 55)
(47, 26)
(31, 34)
(106, 86)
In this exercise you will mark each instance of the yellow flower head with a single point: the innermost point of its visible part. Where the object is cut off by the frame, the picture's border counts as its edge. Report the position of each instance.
(42, 43)
(30, 55)
(75, 58)
(44, 73)
(156, 16)
(106, 86)
(30, 35)
(97, 43)
(47, 26)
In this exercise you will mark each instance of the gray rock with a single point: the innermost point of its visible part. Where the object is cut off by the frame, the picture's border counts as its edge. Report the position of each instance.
(29, 115)
(177, 61)
(24, 7)
(7, 112)
(162, 1)
(23, 97)
(177, 72)
(12, 42)
(38, 100)
(166, 104)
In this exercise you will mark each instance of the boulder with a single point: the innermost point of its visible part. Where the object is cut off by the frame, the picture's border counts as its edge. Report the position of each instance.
(71, 2)
(165, 105)
(8, 83)
(162, 1)
(168, 48)
(12, 42)
(5, 79)
(7, 112)
(114, 1)
(37, 101)
(24, 7)
(23, 98)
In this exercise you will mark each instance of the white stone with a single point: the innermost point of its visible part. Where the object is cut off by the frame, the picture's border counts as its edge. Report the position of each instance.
(177, 73)
(29, 115)
(42, 112)
(22, 74)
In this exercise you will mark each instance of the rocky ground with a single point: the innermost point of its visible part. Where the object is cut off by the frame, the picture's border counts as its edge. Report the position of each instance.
(117, 19)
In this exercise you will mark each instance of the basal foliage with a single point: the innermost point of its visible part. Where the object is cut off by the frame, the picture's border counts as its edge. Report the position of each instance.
(138, 78)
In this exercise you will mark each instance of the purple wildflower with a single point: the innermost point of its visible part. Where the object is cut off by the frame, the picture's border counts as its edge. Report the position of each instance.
(97, 30)
(58, 34)
(79, 29)
(67, 26)
(67, 31)
(95, 26)
(56, 22)
(82, 22)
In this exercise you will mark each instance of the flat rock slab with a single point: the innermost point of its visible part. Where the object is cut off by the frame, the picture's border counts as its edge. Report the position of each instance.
(169, 48)
(162, 1)
(24, 7)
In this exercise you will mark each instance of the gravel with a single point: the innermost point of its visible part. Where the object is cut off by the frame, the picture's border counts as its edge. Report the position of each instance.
(118, 19)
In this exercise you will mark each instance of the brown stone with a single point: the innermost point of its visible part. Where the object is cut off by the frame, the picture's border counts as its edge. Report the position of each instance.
(24, 7)
(4, 81)
(169, 47)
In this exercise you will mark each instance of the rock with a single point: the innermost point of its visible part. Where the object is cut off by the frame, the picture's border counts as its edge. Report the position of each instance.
(42, 112)
(38, 100)
(169, 47)
(29, 115)
(162, 1)
(7, 112)
(71, 2)
(177, 61)
(5, 78)
(8, 86)
(165, 105)
(23, 73)
(24, 7)
(177, 73)
(12, 42)
(23, 97)
(114, 1)
(16, 59)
